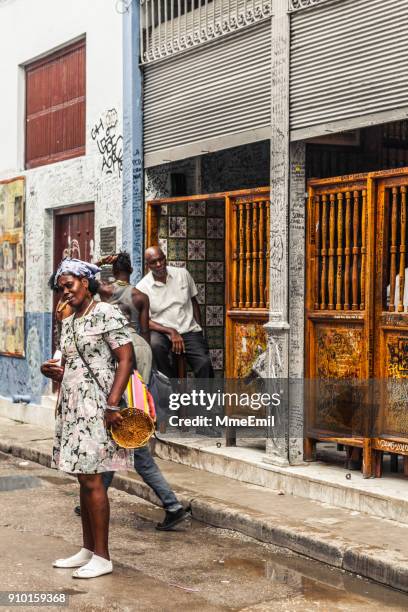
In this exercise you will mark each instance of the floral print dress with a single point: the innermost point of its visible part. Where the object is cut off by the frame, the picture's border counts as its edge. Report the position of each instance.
(82, 443)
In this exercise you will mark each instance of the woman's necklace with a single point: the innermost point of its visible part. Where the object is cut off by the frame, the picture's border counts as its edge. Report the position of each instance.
(88, 308)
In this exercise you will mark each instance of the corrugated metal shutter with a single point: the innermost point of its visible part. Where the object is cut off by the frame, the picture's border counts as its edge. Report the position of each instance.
(348, 59)
(217, 90)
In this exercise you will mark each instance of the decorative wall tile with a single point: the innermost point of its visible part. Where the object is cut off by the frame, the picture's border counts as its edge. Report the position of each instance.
(176, 249)
(197, 270)
(163, 245)
(195, 227)
(179, 209)
(214, 315)
(196, 209)
(215, 293)
(215, 227)
(215, 272)
(215, 337)
(215, 250)
(217, 358)
(196, 249)
(163, 226)
(177, 227)
(201, 293)
(215, 209)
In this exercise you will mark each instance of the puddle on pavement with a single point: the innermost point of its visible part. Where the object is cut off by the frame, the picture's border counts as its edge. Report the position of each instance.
(312, 581)
(15, 483)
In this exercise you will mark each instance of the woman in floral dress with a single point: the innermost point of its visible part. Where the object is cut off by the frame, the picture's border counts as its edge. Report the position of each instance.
(97, 360)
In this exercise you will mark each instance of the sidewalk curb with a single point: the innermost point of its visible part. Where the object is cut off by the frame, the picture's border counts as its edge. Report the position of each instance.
(383, 566)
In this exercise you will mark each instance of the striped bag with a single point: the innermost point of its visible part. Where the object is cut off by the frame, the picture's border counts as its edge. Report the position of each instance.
(138, 396)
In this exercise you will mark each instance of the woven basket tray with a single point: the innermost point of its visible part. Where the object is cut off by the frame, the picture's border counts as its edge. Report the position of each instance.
(135, 430)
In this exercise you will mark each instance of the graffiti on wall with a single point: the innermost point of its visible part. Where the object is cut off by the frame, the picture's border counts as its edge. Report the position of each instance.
(109, 142)
(12, 267)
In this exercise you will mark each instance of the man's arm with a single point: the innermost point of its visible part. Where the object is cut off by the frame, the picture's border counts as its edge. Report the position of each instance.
(196, 310)
(141, 303)
(176, 339)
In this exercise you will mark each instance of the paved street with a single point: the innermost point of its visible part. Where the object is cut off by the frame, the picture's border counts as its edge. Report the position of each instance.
(196, 568)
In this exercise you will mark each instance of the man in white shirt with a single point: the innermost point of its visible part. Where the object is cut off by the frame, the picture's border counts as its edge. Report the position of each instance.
(175, 318)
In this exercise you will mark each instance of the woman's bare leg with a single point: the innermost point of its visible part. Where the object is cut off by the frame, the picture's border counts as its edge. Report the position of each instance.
(87, 535)
(96, 526)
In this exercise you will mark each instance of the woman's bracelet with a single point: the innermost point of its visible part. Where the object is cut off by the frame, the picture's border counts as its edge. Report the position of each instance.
(113, 408)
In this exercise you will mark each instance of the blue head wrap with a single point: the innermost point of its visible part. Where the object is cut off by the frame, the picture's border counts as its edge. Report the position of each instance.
(76, 267)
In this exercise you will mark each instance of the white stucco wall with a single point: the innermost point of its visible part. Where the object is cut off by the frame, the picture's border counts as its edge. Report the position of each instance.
(28, 30)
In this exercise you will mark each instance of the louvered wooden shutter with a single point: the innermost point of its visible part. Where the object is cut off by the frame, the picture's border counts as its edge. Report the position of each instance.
(55, 106)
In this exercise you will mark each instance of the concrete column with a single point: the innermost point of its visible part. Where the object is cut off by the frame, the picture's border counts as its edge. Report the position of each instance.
(297, 220)
(278, 325)
(132, 216)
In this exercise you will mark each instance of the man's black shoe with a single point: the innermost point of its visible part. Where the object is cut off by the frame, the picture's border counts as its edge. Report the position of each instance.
(173, 518)
(77, 510)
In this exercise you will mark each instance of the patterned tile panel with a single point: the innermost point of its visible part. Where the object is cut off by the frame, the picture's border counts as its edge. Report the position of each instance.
(196, 249)
(196, 209)
(214, 315)
(192, 235)
(177, 227)
(215, 250)
(201, 293)
(163, 245)
(215, 229)
(215, 272)
(176, 249)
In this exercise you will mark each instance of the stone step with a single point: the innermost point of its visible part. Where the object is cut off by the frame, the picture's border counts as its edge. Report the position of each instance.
(385, 497)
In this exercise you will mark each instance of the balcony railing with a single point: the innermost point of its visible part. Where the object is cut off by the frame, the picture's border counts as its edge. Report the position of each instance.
(172, 26)
(295, 5)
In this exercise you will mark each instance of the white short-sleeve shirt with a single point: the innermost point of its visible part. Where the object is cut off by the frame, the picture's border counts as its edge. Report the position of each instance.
(170, 302)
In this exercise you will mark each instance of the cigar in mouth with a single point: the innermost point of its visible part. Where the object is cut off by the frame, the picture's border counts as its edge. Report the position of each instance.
(62, 305)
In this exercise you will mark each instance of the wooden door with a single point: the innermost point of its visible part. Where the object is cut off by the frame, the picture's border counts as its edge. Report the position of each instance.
(74, 236)
(247, 278)
(391, 312)
(338, 308)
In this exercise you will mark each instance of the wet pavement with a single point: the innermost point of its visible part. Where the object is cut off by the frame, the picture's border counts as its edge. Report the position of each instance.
(195, 568)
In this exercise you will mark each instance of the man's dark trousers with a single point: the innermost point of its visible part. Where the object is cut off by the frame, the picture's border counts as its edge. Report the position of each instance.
(196, 353)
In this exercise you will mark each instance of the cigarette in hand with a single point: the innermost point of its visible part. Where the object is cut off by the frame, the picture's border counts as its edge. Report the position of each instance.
(61, 306)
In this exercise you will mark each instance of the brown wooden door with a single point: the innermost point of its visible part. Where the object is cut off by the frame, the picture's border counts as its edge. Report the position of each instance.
(357, 306)
(247, 278)
(74, 236)
(338, 313)
(391, 311)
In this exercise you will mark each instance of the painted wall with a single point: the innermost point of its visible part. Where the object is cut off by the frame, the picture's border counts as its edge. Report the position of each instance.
(41, 27)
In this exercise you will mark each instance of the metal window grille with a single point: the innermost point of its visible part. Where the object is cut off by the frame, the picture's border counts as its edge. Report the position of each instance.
(172, 26)
(295, 5)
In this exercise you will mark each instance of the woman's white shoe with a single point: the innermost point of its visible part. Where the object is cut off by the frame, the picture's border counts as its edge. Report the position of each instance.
(78, 560)
(97, 566)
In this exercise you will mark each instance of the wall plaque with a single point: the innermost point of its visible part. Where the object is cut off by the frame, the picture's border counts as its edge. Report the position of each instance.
(107, 247)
